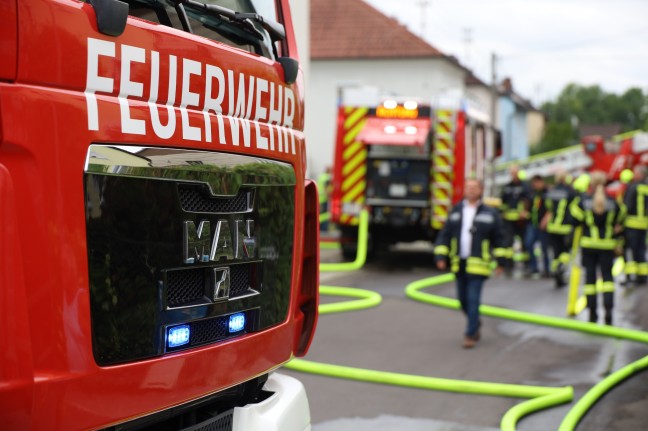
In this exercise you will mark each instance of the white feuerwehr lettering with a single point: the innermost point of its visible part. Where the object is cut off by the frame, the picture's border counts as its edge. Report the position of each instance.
(238, 125)
(252, 100)
(289, 108)
(236, 96)
(214, 104)
(189, 67)
(94, 82)
(260, 113)
(276, 99)
(127, 88)
(164, 132)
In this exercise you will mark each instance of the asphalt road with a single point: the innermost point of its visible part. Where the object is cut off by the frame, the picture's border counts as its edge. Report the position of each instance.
(409, 337)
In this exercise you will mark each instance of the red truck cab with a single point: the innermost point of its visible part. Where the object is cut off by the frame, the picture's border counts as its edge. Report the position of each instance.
(159, 253)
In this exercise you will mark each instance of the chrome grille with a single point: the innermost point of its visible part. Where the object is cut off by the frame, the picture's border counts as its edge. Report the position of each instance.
(184, 287)
(196, 199)
(239, 280)
(189, 286)
(222, 422)
(209, 330)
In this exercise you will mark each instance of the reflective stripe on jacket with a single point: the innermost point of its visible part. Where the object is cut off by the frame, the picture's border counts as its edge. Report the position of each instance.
(636, 203)
(598, 229)
(538, 207)
(488, 240)
(558, 199)
(514, 200)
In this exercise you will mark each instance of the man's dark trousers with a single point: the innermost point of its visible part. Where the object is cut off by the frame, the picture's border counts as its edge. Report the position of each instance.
(469, 288)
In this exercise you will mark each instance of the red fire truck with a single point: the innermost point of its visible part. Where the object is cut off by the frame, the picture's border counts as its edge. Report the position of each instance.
(407, 162)
(624, 151)
(159, 253)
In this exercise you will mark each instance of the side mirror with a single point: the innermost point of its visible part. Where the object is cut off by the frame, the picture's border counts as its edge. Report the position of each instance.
(111, 16)
(290, 67)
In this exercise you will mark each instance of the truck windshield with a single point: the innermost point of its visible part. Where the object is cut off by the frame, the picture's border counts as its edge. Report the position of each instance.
(246, 34)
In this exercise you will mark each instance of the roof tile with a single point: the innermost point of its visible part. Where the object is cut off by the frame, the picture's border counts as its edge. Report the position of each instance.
(354, 29)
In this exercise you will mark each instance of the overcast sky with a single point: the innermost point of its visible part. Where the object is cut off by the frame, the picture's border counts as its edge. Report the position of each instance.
(541, 44)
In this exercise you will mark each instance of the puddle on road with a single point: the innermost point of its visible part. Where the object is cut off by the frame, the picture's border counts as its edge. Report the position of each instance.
(394, 423)
(595, 356)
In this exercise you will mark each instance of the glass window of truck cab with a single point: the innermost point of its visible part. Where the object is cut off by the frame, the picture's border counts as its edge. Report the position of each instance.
(251, 36)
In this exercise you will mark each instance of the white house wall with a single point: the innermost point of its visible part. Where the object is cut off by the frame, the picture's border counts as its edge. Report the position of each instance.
(300, 11)
(421, 78)
(482, 96)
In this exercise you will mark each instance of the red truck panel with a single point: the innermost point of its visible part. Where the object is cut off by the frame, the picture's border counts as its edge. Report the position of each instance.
(47, 129)
(8, 40)
(16, 369)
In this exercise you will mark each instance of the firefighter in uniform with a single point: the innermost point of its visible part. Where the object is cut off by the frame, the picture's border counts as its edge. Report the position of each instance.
(537, 226)
(559, 227)
(323, 186)
(602, 220)
(636, 224)
(470, 241)
(514, 210)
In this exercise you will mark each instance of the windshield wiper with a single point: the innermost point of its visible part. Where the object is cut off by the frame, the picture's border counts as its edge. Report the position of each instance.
(275, 30)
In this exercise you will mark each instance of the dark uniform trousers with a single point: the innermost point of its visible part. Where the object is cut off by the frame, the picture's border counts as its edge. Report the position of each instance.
(603, 260)
(635, 250)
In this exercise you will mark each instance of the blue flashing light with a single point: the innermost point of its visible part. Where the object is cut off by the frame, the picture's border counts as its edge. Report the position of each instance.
(236, 322)
(178, 336)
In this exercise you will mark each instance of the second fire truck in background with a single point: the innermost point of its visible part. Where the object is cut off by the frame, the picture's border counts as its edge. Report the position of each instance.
(405, 161)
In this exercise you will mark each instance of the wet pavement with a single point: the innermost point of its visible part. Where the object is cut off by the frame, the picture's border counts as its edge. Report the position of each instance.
(404, 336)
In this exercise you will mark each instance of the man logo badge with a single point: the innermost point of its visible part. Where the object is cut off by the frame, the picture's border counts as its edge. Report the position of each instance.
(221, 284)
(228, 241)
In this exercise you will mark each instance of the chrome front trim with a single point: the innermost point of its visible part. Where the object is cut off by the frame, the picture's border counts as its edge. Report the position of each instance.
(397, 203)
(223, 173)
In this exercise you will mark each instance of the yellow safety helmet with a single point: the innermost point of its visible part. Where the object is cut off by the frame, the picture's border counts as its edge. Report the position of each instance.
(581, 184)
(626, 176)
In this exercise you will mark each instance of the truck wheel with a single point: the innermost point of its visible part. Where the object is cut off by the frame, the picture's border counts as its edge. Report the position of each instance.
(349, 251)
(349, 242)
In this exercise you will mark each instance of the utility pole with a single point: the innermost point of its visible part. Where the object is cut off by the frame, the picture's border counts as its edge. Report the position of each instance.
(493, 116)
(467, 41)
(423, 4)
(493, 107)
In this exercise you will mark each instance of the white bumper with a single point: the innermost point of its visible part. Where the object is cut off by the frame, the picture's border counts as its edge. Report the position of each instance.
(286, 410)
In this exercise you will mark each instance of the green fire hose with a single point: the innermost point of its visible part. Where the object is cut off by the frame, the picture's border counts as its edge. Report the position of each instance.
(593, 395)
(361, 255)
(538, 397)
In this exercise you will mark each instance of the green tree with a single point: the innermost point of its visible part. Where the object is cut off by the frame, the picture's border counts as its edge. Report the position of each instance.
(577, 104)
(557, 134)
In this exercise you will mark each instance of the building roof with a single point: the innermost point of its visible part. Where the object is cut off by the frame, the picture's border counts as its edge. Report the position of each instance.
(342, 29)
(604, 130)
(473, 80)
(505, 88)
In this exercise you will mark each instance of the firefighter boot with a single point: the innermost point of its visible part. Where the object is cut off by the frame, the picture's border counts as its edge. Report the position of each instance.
(608, 303)
(592, 304)
(559, 274)
(642, 273)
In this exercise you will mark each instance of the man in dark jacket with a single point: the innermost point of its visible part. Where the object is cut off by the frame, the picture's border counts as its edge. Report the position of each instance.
(469, 240)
